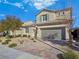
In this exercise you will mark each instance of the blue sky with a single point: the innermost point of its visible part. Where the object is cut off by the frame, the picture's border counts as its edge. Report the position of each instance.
(27, 9)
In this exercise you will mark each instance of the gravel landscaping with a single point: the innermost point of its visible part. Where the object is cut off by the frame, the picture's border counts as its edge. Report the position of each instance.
(36, 47)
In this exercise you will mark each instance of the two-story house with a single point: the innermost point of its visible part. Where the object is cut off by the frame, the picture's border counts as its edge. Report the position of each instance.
(52, 25)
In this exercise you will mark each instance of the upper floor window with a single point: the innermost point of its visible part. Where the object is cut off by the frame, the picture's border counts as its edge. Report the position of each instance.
(44, 17)
(60, 14)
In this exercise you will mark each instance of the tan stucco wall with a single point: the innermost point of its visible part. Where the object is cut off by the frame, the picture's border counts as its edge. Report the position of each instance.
(51, 16)
(39, 33)
(54, 16)
(16, 32)
(67, 15)
(53, 26)
(67, 33)
(23, 31)
(27, 23)
(31, 31)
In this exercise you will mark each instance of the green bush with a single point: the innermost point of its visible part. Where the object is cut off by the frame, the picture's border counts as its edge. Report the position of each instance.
(34, 41)
(24, 35)
(29, 36)
(12, 45)
(70, 55)
(0, 40)
(18, 35)
(6, 42)
(32, 38)
(10, 36)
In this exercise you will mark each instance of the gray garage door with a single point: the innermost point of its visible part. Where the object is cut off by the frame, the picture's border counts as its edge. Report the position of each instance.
(53, 33)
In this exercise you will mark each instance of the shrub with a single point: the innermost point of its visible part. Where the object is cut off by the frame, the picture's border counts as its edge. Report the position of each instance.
(18, 35)
(60, 56)
(12, 45)
(24, 35)
(10, 36)
(29, 36)
(0, 40)
(6, 42)
(34, 41)
(32, 38)
(70, 55)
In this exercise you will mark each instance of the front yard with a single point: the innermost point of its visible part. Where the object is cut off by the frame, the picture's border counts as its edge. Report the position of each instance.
(36, 47)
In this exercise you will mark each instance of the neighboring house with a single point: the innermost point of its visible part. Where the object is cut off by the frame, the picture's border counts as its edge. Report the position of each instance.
(22, 31)
(16, 32)
(27, 23)
(26, 29)
(52, 25)
(75, 34)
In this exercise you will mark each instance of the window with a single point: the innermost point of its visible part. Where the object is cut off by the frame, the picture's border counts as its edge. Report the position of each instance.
(27, 30)
(44, 17)
(62, 13)
(58, 14)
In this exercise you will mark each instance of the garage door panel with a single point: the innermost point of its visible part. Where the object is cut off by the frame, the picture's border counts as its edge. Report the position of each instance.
(51, 34)
(54, 34)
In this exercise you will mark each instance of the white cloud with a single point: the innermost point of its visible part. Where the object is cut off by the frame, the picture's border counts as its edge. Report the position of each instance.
(26, 10)
(2, 14)
(25, 1)
(0, 1)
(18, 4)
(30, 4)
(22, 7)
(5, 1)
(39, 4)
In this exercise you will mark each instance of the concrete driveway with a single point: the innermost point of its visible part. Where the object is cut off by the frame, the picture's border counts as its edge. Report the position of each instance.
(9, 53)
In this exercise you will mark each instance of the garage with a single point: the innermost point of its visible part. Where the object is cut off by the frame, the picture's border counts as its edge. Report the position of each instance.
(53, 33)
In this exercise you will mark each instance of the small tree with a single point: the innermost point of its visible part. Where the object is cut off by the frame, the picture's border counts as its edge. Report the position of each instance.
(10, 23)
